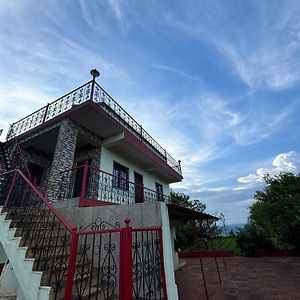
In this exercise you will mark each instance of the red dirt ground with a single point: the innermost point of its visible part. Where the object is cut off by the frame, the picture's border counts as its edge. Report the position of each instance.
(266, 278)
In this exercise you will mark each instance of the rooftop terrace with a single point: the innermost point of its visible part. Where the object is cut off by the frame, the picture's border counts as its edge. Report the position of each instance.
(92, 91)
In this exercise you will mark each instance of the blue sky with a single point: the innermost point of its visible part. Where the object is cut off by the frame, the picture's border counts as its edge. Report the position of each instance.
(215, 82)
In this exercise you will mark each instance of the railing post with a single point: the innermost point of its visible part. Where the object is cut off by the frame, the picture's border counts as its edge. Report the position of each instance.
(71, 265)
(45, 114)
(95, 73)
(143, 193)
(141, 133)
(84, 180)
(126, 273)
(13, 183)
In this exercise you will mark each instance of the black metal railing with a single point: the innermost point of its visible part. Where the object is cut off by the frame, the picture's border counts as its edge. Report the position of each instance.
(92, 91)
(94, 263)
(43, 231)
(50, 111)
(88, 182)
(148, 268)
(97, 270)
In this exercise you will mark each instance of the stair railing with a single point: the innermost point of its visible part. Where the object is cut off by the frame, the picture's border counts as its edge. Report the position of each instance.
(42, 228)
(85, 263)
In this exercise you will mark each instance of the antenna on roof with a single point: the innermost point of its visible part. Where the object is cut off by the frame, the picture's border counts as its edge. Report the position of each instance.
(95, 73)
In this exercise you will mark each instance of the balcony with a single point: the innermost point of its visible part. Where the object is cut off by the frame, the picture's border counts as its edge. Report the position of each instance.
(89, 184)
(92, 91)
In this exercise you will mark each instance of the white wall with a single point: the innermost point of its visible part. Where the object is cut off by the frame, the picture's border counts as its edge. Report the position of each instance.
(168, 250)
(107, 160)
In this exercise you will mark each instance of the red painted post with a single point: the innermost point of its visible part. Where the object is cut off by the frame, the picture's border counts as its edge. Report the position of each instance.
(126, 274)
(12, 185)
(71, 265)
(203, 276)
(84, 180)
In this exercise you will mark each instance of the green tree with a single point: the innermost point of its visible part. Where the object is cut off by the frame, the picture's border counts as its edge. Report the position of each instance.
(189, 234)
(252, 238)
(277, 209)
(184, 200)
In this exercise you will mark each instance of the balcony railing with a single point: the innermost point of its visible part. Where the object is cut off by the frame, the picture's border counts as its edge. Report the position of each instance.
(88, 182)
(92, 91)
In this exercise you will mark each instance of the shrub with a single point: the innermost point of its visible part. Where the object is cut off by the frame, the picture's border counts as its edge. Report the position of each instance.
(252, 238)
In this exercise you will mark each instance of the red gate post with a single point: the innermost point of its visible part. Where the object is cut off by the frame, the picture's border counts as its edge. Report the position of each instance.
(84, 180)
(13, 183)
(71, 265)
(126, 273)
(203, 276)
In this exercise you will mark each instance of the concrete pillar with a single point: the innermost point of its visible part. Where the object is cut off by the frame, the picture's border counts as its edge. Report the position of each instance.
(63, 157)
(168, 254)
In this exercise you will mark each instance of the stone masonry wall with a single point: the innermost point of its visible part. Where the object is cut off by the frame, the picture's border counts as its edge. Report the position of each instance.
(40, 159)
(63, 156)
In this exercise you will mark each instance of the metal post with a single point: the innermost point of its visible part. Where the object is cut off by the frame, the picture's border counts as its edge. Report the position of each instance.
(216, 260)
(126, 274)
(46, 112)
(143, 193)
(84, 180)
(203, 276)
(71, 265)
(95, 73)
(92, 89)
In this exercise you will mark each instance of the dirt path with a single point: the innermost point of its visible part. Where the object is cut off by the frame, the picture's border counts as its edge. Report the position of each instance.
(267, 278)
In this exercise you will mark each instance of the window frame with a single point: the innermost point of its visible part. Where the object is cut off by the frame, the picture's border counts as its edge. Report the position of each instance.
(118, 181)
(159, 191)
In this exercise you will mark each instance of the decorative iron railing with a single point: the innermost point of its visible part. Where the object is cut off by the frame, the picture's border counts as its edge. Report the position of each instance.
(50, 111)
(147, 254)
(43, 230)
(95, 263)
(92, 91)
(88, 182)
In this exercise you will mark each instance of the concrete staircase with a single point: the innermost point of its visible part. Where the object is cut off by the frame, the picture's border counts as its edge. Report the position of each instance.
(38, 247)
(28, 280)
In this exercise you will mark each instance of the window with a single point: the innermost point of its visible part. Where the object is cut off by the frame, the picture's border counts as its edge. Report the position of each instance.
(159, 192)
(120, 179)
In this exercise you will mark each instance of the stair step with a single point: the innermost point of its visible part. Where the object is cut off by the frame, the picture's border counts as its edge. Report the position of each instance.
(95, 293)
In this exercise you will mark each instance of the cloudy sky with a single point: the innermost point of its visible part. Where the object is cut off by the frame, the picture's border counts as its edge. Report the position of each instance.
(215, 82)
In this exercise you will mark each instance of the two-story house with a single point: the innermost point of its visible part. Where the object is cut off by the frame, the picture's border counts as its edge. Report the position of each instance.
(82, 161)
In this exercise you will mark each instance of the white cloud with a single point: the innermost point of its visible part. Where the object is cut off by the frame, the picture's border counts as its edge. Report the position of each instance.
(284, 162)
(262, 51)
(116, 6)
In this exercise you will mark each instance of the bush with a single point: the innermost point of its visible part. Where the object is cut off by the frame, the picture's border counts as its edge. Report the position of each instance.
(252, 238)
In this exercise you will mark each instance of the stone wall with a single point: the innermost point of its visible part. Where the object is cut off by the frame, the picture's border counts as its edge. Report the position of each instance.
(63, 156)
(42, 160)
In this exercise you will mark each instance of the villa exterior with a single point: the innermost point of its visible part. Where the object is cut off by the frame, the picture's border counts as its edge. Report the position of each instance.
(82, 166)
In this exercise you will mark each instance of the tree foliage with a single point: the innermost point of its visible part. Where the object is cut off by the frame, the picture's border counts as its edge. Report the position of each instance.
(189, 233)
(252, 238)
(277, 209)
(184, 200)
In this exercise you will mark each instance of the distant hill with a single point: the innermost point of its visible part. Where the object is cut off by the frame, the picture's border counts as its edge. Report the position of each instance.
(233, 227)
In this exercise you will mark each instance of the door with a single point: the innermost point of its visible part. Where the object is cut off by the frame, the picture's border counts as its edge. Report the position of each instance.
(36, 173)
(139, 188)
